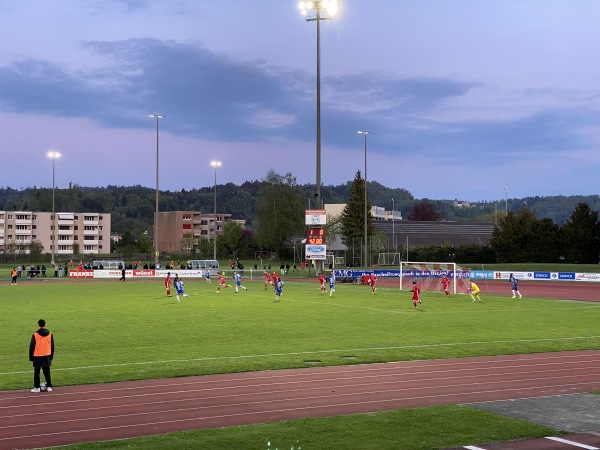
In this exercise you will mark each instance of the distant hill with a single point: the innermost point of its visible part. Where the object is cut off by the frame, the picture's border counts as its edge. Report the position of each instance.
(133, 206)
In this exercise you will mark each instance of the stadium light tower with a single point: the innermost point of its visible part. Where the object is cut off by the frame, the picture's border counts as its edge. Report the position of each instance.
(316, 11)
(365, 133)
(506, 200)
(156, 250)
(53, 156)
(215, 164)
(393, 227)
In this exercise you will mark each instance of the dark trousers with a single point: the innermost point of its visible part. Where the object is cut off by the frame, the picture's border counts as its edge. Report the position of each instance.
(36, 376)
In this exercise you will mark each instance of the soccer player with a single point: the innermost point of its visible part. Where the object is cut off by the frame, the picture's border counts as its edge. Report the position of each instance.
(321, 279)
(445, 285)
(475, 292)
(416, 290)
(168, 284)
(238, 282)
(331, 284)
(275, 277)
(179, 288)
(268, 279)
(207, 276)
(278, 289)
(373, 282)
(221, 282)
(515, 286)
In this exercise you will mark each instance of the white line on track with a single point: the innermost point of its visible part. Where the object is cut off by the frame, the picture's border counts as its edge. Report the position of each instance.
(254, 413)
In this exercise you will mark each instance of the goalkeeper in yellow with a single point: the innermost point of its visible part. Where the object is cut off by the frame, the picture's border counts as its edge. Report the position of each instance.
(474, 292)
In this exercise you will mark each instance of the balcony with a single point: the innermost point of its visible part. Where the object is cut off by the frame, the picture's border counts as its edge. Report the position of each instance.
(91, 232)
(65, 232)
(91, 223)
(27, 221)
(23, 232)
(90, 242)
(65, 242)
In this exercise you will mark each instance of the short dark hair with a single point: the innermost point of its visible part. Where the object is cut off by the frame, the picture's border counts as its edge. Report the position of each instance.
(42, 323)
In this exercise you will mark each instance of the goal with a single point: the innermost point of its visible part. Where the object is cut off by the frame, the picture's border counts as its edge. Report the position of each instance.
(429, 276)
(389, 259)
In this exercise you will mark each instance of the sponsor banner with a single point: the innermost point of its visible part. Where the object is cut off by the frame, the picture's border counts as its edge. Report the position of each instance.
(315, 217)
(143, 273)
(541, 275)
(481, 275)
(566, 276)
(110, 273)
(82, 274)
(383, 273)
(587, 277)
(316, 252)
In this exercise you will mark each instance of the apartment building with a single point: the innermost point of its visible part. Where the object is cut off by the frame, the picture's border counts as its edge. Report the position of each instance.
(90, 231)
(176, 228)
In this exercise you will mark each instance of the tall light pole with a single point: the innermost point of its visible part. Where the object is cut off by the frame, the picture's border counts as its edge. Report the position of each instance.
(506, 200)
(215, 164)
(316, 11)
(156, 250)
(54, 156)
(365, 133)
(393, 228)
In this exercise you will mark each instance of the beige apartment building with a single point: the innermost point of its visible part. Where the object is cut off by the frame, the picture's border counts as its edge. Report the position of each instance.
(177, 227)
(90, 231)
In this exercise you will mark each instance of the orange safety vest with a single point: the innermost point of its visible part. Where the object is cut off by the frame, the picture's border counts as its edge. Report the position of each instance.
(13, 273)
(43, 345)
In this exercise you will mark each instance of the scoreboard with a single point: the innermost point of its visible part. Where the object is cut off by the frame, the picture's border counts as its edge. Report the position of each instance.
(315, 236)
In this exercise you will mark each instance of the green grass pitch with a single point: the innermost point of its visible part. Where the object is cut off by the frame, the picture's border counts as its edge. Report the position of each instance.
(113, 331)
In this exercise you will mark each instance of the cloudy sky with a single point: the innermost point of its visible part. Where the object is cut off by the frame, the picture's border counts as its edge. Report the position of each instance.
(461, 98)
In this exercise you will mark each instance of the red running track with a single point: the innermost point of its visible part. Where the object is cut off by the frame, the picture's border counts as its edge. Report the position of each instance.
(129, 409)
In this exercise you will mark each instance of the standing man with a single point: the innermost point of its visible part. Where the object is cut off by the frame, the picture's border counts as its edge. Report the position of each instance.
(122, 274)
(416, 290)
(445, 285)
(278, 289)
(168, 284)
(41, 352)
(238, 282)
(13, 276)
(515, 286)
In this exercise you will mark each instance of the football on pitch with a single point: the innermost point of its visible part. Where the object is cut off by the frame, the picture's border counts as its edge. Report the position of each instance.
(43, 387)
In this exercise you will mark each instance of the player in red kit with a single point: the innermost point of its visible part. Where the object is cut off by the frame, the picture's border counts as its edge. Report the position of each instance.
(446, 285)
(321, 279)
(168, 284)
(373, 282)
(221, 282)
(268, 279)
(416, 290)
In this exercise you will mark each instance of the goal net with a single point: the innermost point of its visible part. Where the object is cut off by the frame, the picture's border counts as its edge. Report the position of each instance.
(388, 259)
(429, 276)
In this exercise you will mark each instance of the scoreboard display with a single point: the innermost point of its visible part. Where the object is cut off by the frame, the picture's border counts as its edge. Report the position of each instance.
(315, 236)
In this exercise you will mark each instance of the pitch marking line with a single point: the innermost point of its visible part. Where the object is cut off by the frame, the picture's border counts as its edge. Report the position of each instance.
(575, 444)
(314, 352)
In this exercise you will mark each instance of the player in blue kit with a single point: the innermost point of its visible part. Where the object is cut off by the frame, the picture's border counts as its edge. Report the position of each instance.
(515, 286)
(207, 276)
(278, 289)
(331, 284)
(179, 288)
(238, 282)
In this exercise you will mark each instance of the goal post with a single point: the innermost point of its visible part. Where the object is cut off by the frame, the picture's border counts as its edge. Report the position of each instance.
(429, 276)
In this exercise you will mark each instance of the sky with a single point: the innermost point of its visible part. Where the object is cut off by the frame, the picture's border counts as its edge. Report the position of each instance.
(461, 98)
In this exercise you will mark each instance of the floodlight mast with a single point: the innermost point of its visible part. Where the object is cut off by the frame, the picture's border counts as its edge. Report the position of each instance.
(316, 11)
